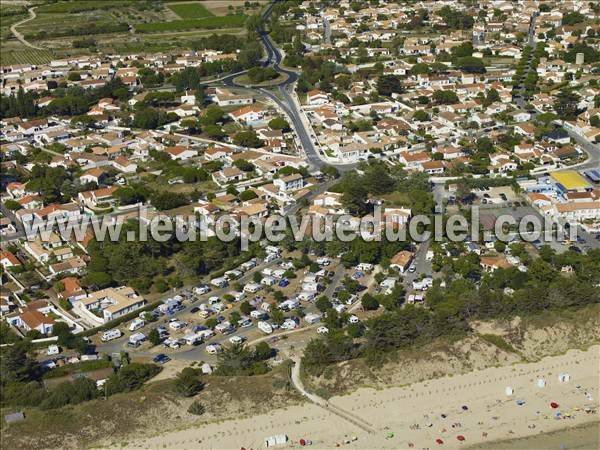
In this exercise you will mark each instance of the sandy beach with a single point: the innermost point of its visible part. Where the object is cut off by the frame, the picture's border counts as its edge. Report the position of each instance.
(474, 406)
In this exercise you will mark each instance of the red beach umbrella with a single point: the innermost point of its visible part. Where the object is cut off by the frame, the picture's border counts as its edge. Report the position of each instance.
(302, 442)
(460, 437)
(553, 405)
(439, 441)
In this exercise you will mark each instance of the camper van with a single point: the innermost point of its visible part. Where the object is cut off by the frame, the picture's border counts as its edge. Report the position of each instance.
(278, 273)
(288, 305)
(238, 296)
(224, 328)
(273, 250)
(201, 289)
(256, 314)
(233, 274)
(265, 327)
(252, 288)
(312, 318)
(364, 267)
(136, 324)
(220, 282)
(192, 339)
(111, 334)
(248, 265)
(244, 322)
(306, 296)
(205, 334)
(135, 340)
(213, 349)
(268, 281)
(267, 272)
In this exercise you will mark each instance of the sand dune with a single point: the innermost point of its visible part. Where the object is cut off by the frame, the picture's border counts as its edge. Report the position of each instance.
(475, 406)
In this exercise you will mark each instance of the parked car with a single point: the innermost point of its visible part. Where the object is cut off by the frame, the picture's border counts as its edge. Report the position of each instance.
(161, 358)
(322, 330)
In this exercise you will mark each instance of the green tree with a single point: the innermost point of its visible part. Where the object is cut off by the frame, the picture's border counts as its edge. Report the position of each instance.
(323, 304)
(565, 104)
(369, 303)
(187, 382)
(279, 123)
(247, 138)
(13, 205)
(388, 85)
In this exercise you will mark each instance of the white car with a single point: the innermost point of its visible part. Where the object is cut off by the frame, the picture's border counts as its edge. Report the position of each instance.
(353, 319)
(213, 349)
(236, 340)
(322, 330)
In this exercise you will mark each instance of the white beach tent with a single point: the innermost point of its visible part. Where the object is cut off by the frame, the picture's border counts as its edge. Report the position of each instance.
(278, 439)
(564, 377)
(541, 383)
(509, 390)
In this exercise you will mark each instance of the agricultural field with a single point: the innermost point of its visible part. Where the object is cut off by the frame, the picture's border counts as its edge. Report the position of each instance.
(60, 27)
(190, 10)
(26, 56)
(209, 23)
(223, 7)
(71, 7)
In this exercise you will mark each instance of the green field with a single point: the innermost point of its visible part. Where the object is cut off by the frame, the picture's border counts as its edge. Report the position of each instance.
(28, 56)
(190, 10)
(70, 7)
(208, 23)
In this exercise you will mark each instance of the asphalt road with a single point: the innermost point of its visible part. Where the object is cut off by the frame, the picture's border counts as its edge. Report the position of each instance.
(282, 96)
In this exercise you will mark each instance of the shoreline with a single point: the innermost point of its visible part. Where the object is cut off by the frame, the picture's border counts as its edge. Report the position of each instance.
(418, 414)
(584, 437)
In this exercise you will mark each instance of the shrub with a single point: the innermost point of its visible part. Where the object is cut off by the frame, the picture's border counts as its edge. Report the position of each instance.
(197, 408)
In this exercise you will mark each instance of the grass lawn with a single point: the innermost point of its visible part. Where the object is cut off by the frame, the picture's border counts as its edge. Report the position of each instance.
(244, 80)
(190, 10)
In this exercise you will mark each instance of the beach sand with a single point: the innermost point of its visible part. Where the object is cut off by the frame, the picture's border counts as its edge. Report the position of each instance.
(411, 416)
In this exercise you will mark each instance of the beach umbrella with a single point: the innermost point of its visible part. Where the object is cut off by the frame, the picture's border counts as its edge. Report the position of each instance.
(460, 437)
(302, 442)
(439, 441)
(553, 405)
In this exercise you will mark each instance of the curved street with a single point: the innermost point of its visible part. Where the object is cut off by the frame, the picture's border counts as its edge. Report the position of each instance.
(282, 95)
(19, 36)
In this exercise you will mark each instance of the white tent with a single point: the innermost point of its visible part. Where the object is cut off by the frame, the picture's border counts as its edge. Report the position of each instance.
(564, 377)
(541, 383)
(509, 390)
(278, 439)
